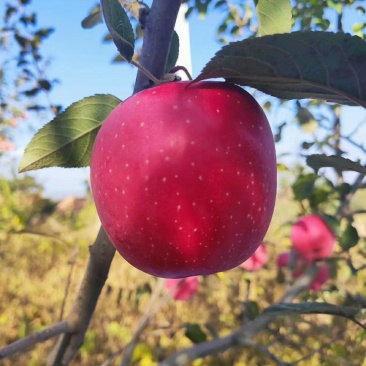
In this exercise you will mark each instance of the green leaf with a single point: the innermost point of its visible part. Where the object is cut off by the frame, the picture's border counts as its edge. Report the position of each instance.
(195, 333)
(119, 27)
(306, 119)
(94, 18)
(68, 139)
(349, 237)
(274, 16)
(318, 65)
(332, 222)
(304, 185)
(337, 162)
(173, 52)
(251, 309)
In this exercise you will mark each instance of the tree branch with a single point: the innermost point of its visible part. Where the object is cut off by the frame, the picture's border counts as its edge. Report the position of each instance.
(101, 255)
(243, 335)
(33, 339)
(157, 38)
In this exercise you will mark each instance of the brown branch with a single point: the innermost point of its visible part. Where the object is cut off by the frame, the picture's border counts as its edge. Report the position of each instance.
(101, 255)
(27, 342)
(157, 38)
(243, 335)
(71, 263)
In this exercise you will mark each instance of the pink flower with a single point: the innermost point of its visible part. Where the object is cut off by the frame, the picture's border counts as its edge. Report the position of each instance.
(182, 289)
(257, 260)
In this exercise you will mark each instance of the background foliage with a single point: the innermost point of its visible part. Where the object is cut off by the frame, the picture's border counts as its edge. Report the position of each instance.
(44, 244)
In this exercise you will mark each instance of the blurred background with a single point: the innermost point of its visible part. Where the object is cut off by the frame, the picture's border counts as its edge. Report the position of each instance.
(48, 220)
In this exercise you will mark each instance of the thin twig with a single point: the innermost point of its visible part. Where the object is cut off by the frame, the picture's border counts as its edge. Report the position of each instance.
(101, 255)
(240, 336)
(27, 342)
(149, 314)
(152, 309)
(71, 263)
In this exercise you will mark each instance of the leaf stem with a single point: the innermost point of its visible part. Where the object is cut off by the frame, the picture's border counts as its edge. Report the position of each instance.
(181, 68)
(147, 73)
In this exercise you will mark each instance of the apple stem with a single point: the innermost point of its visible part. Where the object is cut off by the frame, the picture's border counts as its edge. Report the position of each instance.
(166, 79)
(181, 68)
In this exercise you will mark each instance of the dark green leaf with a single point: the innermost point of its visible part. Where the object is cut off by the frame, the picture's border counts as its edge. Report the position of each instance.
(337, 162)
(303, 115)
(344, 189)
(10, 10)
(44, 33)
(319, 195)
(274, 16)
(173, 52)
(119, 27)
(318, 65)
(32, 92)
(220, 3)
(349, 237)
(251, 309)
(332, 222)
(45, 84)
(195, 333)
(304, 185)
(92, 19)
(307, 145)
(278, 135)
(68, 139)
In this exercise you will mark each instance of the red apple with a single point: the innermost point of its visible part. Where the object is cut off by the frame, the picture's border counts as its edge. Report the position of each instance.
(184, 178)
(300, 265)
(312, 238)
(321, 278)
(257, 260)
(283, 259)
(295, 263)
(182, 289)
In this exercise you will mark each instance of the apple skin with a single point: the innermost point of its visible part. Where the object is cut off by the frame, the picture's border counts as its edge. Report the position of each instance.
(321, 278)
(257, 260)
(184, 178)
(312, 238)
(283, 259)
(182, 289)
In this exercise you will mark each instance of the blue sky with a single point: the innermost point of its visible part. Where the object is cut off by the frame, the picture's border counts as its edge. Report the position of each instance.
(83, 64)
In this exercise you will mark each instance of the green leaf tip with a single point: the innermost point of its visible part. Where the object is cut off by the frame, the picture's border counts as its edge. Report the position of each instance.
(119, 27)
(274, 16)
(68, 139)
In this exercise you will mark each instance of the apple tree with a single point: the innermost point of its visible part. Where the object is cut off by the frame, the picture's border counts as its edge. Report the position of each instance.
(183, 173)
